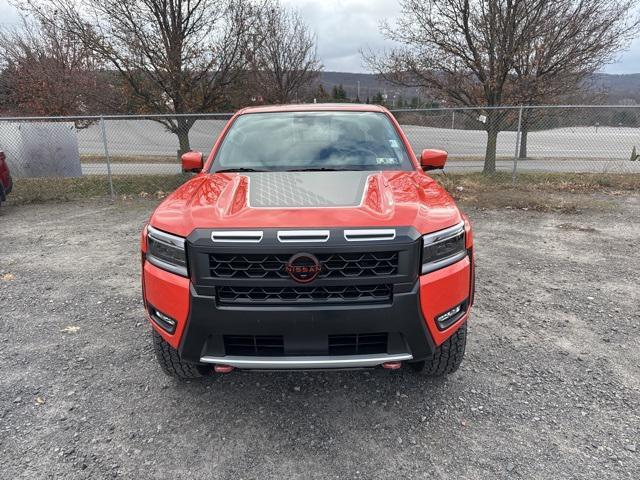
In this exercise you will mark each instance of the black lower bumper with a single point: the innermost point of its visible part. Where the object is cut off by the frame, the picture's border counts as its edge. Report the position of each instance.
(306, 329)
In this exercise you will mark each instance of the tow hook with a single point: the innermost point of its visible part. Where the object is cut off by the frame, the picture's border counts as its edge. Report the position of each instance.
(391, 365)
(223, 368)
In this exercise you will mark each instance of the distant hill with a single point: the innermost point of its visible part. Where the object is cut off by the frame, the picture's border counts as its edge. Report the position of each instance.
(619, 89)
(614, 89)
(369, 85)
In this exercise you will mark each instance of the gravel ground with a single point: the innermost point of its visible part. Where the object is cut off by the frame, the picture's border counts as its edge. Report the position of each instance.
(550, 387)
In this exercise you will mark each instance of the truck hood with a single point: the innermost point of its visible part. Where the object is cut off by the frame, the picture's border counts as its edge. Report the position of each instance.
(307, 200)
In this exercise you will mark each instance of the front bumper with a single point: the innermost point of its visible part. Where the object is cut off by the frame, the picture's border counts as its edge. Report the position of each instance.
(308, 362)
(408, 320)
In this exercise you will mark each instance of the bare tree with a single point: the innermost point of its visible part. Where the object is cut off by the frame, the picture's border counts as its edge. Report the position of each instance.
(47, 72)
(286, 62)
(465, 51)
(575, 39)
(175, 56)
(461, 51)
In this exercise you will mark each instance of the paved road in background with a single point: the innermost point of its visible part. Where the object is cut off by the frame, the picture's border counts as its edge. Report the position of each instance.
(145, 137)
(567, 143)
(580, 149)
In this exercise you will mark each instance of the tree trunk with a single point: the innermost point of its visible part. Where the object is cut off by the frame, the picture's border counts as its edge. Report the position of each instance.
(183, 139)
(524, 130)
(522, 153)
(492, 140)
(184, 125)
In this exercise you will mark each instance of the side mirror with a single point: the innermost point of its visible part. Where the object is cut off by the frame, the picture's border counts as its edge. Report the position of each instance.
(192, 162)
(433, 159)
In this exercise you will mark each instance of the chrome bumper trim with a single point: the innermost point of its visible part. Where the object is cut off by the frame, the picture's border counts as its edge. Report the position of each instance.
(308, 362)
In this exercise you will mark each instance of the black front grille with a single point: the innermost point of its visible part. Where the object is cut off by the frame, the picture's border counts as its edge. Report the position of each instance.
(359, 344)
(258, 345)
(272, 266)
(304, 295)
(273, 345)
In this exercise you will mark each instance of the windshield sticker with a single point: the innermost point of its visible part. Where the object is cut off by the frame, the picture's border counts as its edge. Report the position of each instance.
(394, 143)
(386, 161)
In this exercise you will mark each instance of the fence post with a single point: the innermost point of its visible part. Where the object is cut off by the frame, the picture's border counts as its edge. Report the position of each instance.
(453, 119)
(106, 154)
(515, 157)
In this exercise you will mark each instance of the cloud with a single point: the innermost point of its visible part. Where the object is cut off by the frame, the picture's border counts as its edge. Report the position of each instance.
(628, 61)
(343, 27)
(8, 14)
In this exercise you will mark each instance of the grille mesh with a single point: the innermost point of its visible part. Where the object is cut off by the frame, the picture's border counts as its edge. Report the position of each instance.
(358, 344)
(273, 345)
(297, 295)
(260, 345)
(334, 265)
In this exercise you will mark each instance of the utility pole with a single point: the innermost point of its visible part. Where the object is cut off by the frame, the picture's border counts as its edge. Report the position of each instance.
(107, 157)
(517, 154)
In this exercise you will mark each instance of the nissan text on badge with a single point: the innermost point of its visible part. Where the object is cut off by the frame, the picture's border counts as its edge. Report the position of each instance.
(310, 238)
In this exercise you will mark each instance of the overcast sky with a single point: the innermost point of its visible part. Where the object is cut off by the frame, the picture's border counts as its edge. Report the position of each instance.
(345, 26)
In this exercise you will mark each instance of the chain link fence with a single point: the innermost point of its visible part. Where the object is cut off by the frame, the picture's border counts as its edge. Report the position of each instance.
(57, 157)
(552, 139)
(139, 155)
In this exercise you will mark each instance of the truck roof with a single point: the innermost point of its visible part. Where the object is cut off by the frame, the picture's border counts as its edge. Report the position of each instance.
(314, 107)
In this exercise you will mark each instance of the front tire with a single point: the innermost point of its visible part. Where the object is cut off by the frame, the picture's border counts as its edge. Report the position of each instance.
(447, 357)
(171, 363)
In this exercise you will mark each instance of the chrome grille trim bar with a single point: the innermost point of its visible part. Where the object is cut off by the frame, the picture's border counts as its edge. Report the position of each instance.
(369, 235)
(303, 236)
(237, 236)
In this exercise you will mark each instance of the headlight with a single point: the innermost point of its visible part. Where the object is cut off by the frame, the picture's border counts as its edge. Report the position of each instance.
(166, 251)
(443, 248)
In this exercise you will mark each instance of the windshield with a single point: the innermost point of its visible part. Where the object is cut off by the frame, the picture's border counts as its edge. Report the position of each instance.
(283, 141)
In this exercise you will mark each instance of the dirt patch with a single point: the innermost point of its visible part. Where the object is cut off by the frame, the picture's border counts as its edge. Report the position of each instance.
(43, 190)
(525, 200)
(544, 182)
(550, 387)
(559, 193)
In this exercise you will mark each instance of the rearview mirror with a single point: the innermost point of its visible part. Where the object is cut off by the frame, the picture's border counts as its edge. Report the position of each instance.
(192, 162)
(433, 159)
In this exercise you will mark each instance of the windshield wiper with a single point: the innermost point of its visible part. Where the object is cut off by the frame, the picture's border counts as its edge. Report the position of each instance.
(324, 169)
(238, 169)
